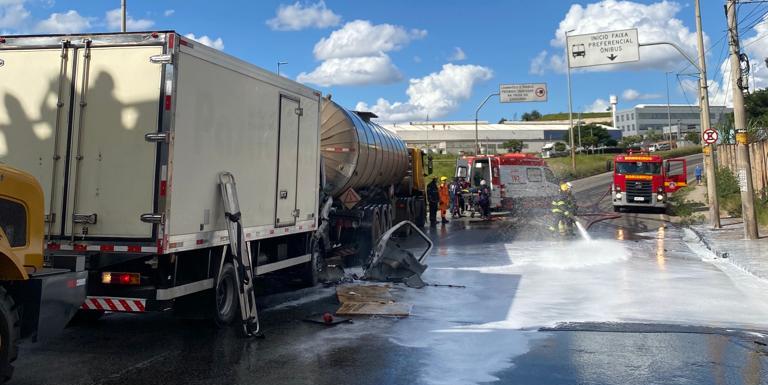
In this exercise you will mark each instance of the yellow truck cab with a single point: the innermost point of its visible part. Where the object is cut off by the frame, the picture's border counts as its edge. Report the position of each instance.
(37, 299)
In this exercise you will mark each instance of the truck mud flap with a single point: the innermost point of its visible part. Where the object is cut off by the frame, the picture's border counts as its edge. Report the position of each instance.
(49, 300)
(399, 259)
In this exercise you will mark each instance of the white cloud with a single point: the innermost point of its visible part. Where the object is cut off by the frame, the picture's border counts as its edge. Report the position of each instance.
(353, 71)
(656, 22)
(218, 43)
(458, 55)
(599, 105)
(114, 20)
(356, 54)
(69, 22)
(436, 94)
(299, 16)
(13, 14)
(169, 12)
(631, 94)
(361, 38)
(720, 82)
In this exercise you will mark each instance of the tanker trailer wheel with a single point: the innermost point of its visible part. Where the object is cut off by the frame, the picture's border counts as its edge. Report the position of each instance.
(10, 331)
(420, 214)
(227, 301)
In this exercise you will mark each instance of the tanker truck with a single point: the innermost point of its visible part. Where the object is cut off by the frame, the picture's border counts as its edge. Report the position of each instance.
(373, 178)
(174, 169)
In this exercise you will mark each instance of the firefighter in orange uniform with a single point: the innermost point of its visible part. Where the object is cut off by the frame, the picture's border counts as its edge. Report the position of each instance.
(444, 198)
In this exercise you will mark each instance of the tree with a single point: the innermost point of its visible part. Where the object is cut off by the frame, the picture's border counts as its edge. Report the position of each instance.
(654, 136)
(591, 135)
(513, 145)
(630, 140)
(502, 120)
(693, 137)
(531, 116)
(756, 105)
(560, 146)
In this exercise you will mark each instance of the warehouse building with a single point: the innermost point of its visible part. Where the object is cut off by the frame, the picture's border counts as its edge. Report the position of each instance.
(459, 137)
(644, 118)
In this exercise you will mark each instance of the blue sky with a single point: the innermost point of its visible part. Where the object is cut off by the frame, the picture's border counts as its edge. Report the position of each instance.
(407, 59)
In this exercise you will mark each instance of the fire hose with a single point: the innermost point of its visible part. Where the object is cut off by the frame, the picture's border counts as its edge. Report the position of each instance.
(598, 216)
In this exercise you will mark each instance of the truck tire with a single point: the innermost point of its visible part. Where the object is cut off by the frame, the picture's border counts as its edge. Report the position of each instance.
(311, 271)
(226, 303)
(420, 209)
(10, 331)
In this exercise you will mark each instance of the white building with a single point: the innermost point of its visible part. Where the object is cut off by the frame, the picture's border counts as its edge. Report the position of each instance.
(458, 136)
(643, 118)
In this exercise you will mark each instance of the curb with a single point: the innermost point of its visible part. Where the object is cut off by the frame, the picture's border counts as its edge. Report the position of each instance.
(705, 242)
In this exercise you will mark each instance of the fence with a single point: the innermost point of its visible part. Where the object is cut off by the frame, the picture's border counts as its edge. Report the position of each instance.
(726, 157)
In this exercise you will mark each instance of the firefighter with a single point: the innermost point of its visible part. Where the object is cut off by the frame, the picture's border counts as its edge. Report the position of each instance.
(444, 198)
(433, 197)
(564, 211)
(484, 200)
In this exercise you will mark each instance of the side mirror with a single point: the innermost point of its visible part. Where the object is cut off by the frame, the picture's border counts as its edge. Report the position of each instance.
(429, 165)
(667, 167)
(608, 165)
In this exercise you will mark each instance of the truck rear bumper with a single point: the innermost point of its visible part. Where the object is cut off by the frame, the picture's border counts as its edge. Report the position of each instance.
(50, 299)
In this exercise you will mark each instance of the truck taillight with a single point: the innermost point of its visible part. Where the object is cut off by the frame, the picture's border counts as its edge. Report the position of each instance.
(110, 278)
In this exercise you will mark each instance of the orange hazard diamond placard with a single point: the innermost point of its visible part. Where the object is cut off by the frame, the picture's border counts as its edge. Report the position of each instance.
(350, 198)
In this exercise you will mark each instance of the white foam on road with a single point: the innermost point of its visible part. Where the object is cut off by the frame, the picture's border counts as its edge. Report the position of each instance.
(623, 281)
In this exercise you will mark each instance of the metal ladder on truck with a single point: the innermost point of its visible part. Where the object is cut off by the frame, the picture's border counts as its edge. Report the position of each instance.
(241, 255)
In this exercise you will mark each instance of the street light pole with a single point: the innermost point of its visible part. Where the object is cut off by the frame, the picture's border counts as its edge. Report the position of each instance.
(570, 103)
(710, 160)
(477, 112)
(123, 13)
(280, 63)
(669, 113)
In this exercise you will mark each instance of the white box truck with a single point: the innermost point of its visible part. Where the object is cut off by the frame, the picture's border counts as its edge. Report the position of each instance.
(128, 135)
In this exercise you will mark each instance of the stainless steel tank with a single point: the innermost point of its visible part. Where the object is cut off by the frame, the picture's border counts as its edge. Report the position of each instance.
(357, 152)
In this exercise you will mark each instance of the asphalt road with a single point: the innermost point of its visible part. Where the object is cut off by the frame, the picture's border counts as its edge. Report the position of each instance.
(635, 305)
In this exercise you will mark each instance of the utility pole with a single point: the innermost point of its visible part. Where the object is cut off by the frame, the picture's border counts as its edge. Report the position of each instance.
(123, 14)
(710, 160)
(740, 123)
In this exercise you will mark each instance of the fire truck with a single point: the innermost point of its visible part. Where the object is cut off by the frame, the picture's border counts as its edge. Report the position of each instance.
(643, 180)
(515, 180)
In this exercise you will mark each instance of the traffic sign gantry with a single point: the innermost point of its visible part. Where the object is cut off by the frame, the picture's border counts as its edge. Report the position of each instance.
(709, 136)
(602, 48)
(527, 92)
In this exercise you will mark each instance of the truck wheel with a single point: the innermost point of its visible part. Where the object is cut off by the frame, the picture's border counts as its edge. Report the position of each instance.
(311, 270)
(227, 301)
(420, 213)
(10, 331)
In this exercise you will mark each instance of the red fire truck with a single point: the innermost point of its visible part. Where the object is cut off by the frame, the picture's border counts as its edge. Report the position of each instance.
(515, 180)
(643, 180)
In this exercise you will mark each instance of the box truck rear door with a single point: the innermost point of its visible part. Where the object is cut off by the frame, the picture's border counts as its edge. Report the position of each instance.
(287, 162)
(113, 167)
(35, 86)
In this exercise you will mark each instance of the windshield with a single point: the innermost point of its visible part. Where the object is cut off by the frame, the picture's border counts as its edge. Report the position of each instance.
(642, 168)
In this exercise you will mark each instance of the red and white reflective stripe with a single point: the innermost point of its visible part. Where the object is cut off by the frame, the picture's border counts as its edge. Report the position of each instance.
(114, 304)
(109, 248)
(339, 149)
